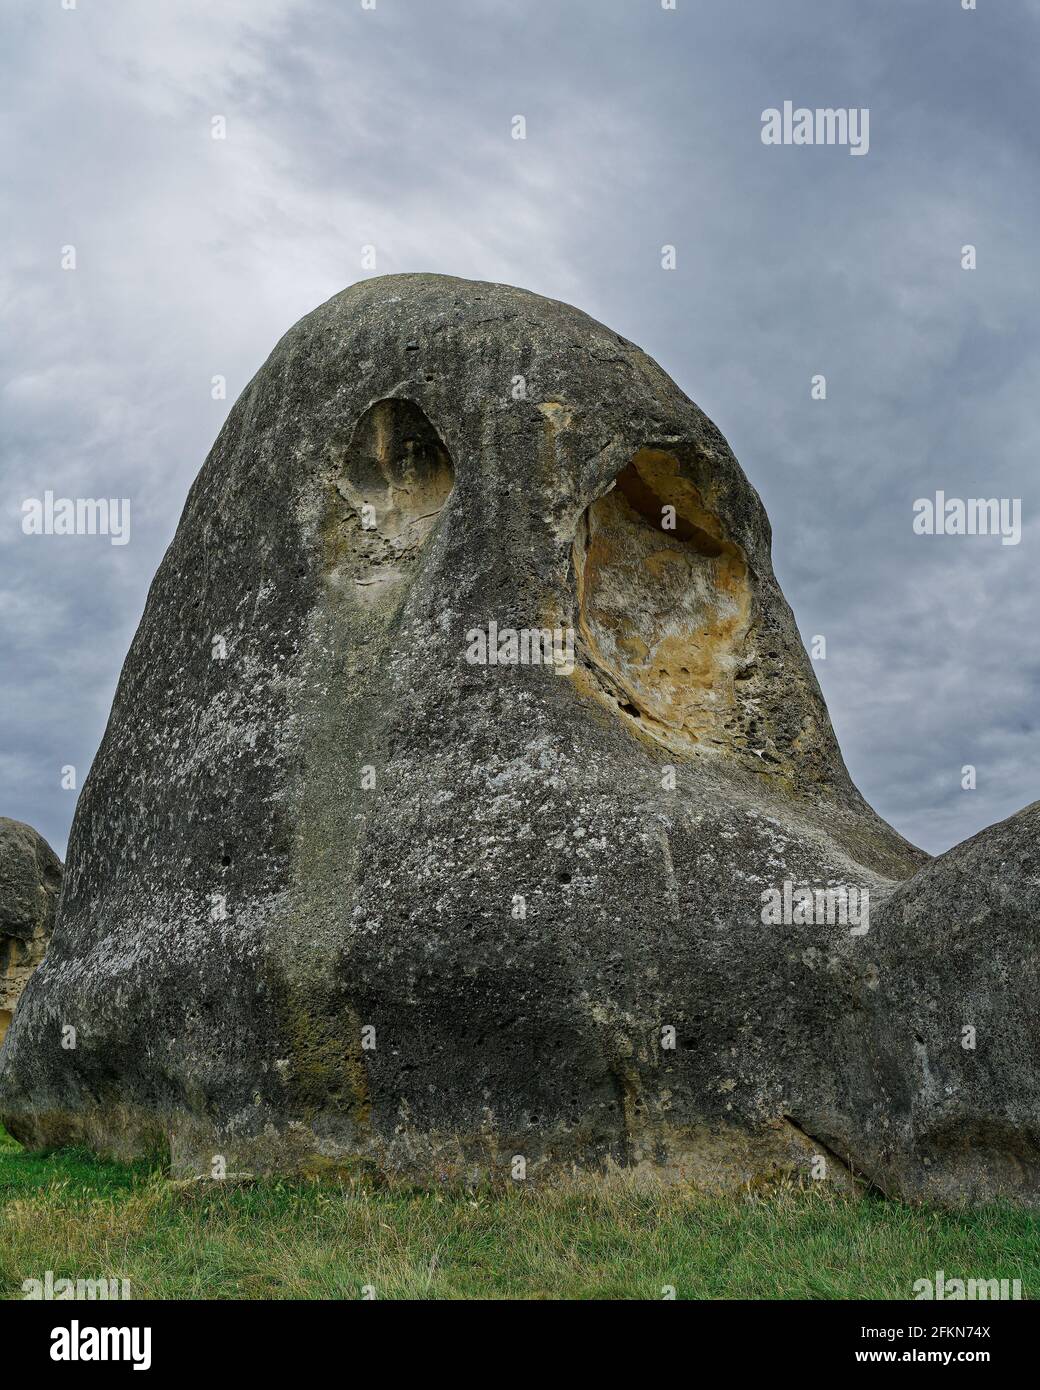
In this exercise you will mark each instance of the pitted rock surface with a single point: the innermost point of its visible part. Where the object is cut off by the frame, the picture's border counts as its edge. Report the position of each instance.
(336, 891)
(30, 880)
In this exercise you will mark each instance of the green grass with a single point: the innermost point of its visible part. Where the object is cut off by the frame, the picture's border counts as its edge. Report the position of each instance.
(81, 1218)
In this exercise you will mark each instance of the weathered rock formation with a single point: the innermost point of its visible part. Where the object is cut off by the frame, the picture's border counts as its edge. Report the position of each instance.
(463, 792)
(30, 879)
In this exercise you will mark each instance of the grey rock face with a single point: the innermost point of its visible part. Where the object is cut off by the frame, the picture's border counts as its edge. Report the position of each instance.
(30, 879)
(944, 1054)
(461, 797)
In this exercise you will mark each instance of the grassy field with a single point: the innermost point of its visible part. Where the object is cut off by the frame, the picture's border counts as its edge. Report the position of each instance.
(68, 1213)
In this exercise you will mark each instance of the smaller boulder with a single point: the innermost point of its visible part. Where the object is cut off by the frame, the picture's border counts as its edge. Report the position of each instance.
(30, 880)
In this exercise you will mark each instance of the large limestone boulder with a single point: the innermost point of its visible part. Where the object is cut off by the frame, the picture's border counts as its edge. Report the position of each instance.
(942, 1042)
(469, 805)
(30, 880)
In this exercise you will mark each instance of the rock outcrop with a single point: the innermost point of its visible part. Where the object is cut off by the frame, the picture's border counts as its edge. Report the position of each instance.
(30, 880)
(469, 805)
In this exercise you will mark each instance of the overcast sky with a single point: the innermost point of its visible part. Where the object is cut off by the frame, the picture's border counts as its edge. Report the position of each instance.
(392, 127)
